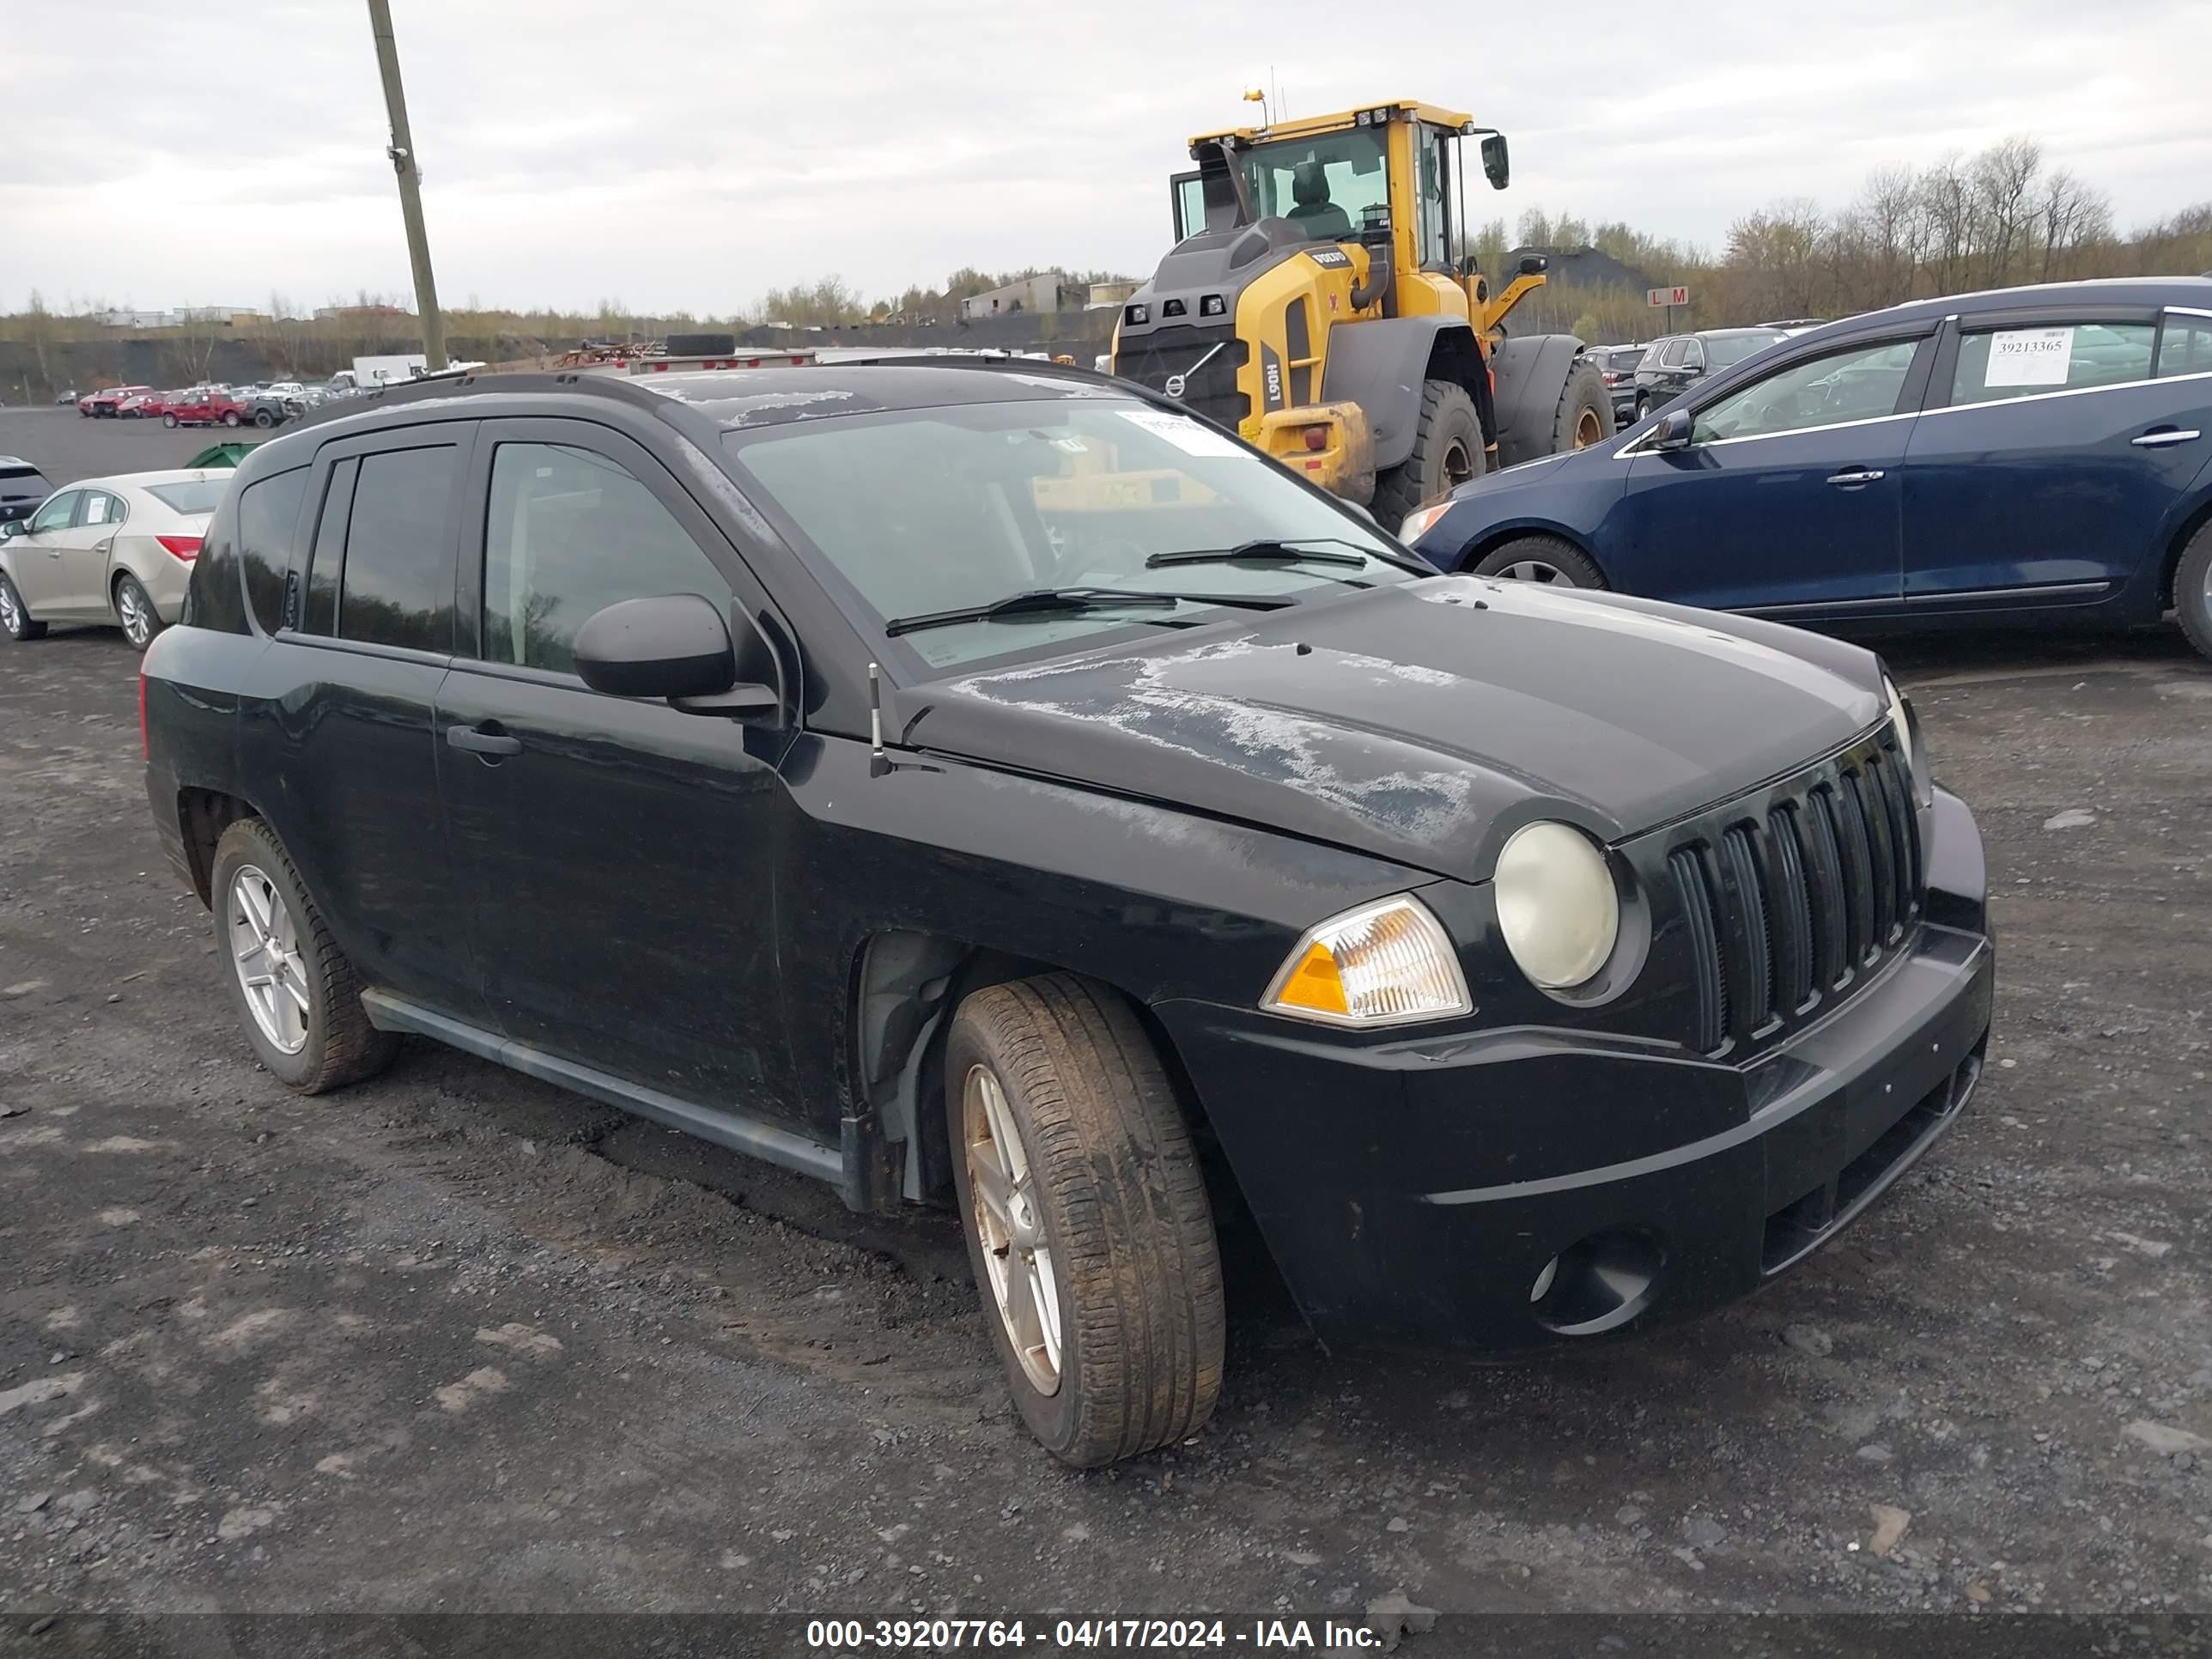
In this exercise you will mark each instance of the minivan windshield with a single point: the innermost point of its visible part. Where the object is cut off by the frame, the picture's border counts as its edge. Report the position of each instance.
(923, 512)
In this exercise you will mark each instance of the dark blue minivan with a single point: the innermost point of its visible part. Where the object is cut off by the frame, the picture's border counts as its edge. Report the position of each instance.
(2024, 455)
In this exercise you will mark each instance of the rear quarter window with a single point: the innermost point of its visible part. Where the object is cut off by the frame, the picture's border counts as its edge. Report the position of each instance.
(268, 520)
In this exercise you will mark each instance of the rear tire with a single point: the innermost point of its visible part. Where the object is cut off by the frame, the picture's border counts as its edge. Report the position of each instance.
(1055, 1099)
(264, 418)
(1447, 453)
(135, 613)
(1585, 412)
(14, 620)
(1548, 561)
(2192, 590)
(336, 1043)
(230, 417)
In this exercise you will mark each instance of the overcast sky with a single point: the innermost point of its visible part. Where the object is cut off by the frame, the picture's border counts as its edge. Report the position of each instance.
(692, 156)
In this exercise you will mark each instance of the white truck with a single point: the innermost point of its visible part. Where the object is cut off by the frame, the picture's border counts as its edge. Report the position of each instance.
(392, 370)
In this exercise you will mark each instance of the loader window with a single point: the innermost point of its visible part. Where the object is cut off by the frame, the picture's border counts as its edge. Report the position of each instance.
(1325, 185)
(1432, 197)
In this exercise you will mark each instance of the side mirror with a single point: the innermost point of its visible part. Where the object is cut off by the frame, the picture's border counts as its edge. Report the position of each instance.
(676, 646)
(1534, 264)
(1673, 431)
(12, 528)
(1496, 165)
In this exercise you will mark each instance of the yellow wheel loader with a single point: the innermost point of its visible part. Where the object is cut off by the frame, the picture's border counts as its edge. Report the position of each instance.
(1313, 302)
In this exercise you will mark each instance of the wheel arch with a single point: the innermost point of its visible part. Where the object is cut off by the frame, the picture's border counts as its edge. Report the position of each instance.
(202, 816)
(2193, 521)
(905, 985)
(1496, 536)
(1532, 371)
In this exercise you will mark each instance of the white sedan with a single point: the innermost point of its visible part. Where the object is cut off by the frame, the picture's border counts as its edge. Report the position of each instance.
(116, 551)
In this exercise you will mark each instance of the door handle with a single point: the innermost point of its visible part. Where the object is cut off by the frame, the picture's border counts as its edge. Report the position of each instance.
(487, 740)
(2160, 439)
(1861, 476)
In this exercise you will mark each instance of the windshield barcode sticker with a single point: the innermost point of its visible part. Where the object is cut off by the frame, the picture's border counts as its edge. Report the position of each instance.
(1182, 431)
(2030, 356)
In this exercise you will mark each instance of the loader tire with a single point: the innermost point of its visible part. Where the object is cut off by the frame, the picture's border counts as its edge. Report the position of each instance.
(1585, 413)
(1447, 453)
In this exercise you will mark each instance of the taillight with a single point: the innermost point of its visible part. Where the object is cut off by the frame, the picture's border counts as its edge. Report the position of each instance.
(186, 548)
(1316, 437)
(145, 743)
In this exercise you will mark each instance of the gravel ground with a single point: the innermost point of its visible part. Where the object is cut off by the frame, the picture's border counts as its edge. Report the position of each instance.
(457, 1341)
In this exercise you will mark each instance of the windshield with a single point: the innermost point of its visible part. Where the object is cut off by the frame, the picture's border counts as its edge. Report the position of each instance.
(924, 511)
(198, 496)
(1722, 349)
(1324, 185)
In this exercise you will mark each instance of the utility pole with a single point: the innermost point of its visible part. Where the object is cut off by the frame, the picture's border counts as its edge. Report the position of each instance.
(402, 152)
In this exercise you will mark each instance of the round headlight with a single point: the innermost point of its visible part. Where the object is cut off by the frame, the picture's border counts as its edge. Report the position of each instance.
(1557, 905)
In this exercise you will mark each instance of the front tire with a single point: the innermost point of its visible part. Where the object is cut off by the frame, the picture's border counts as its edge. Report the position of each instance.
(295, 993)
(1548, 561)
(1087, 1218)
(2192, 590)
(14, 620)
(168, 419)
(1447, 453)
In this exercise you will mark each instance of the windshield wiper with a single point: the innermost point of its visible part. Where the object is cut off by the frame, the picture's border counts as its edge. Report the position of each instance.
(1044, 600)
(1297, 550)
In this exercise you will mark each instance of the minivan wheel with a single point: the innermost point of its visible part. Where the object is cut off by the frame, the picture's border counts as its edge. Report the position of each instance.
(14, 618)
(2192, 590)
(297, 995)
(1086, 1218)
(1550, 560)
(135, 610)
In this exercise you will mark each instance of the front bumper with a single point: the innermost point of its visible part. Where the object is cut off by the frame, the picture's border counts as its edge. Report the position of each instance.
(1394, 1181)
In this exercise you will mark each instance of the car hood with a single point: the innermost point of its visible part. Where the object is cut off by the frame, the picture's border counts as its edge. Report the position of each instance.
(1423, 722)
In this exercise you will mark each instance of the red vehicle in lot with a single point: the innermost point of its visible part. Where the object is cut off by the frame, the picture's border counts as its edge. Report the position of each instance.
(143, 405)
(204, 405)
(106, 402)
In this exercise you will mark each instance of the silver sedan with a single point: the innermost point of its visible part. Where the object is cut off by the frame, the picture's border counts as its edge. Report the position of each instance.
(116, 551)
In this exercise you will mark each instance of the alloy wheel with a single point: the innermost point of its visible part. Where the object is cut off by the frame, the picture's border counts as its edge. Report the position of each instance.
(1533, 570)
(265, 950)
(130, 610)
(11, 617)
(1024, 1281)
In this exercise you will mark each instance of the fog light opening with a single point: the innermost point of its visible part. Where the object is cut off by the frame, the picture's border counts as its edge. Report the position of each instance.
(1599, 1283)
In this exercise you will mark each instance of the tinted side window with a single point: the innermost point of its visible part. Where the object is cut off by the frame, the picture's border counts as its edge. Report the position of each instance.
(2187, 346)
(1997, 364)
(397, 584)
(268, 515)
(322, 609)
(567, 533)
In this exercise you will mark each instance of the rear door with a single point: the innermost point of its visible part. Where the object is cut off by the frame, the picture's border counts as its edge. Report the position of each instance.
(2050, 460)
(36, 555)
(621, 853)
(345, 699)
(1786, 500)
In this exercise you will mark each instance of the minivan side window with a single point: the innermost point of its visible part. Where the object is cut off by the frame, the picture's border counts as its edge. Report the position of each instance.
(568, 533)
(2187, 346)
(1997, 364)
(268, 513)
(396, 585)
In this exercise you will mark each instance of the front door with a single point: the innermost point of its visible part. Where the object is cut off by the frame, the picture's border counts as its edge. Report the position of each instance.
(2052, 455)
(622, 854)
(38, 555)
(1786, 498)
(84, 565)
